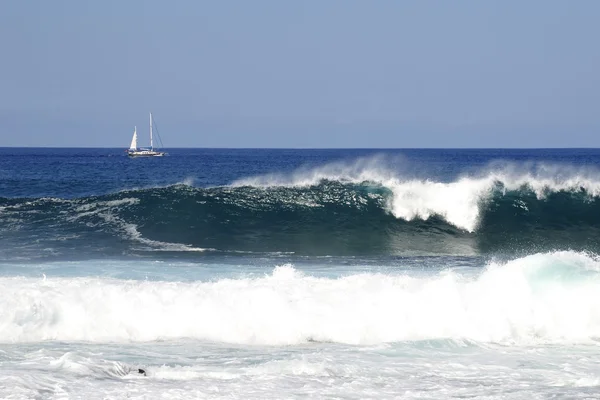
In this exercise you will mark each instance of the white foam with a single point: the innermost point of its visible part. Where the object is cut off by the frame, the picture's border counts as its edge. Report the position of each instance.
(458, 202)
(105, 210)
(156, 245)
(549, 298)
(105, 205)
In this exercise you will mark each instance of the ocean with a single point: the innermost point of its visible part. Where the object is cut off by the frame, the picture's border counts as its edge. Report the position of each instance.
(284, 274)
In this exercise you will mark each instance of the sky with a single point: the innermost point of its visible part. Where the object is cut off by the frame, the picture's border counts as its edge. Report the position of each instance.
(303, 74)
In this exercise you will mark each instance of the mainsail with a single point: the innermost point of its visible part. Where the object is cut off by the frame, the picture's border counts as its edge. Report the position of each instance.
(133, 145)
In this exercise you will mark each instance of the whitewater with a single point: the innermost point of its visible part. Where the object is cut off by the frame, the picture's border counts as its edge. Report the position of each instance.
(458, 201)
(269, 274)
(288, 307)
(264, 332)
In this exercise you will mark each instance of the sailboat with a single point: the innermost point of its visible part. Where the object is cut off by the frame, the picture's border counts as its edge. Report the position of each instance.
(135, 151)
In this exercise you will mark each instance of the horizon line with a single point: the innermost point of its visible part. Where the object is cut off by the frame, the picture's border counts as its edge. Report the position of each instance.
(308, 148)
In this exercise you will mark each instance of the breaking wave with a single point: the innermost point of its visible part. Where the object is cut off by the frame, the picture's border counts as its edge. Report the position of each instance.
(333, 210)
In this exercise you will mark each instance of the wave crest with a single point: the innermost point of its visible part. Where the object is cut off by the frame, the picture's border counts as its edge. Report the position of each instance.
(459, 202)
(329, 211)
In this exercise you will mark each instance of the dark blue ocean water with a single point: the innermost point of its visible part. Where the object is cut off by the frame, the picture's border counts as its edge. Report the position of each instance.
(69, 173)
(299, 273)
(74, 203)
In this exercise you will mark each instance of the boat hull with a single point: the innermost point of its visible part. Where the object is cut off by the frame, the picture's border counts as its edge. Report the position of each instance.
(145, 153)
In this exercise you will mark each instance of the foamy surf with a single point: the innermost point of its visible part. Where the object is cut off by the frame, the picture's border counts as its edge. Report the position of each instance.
(543, 298)
(383, 288)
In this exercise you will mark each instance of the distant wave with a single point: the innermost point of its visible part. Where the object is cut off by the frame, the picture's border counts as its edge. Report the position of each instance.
(333, 210)
(543, 298)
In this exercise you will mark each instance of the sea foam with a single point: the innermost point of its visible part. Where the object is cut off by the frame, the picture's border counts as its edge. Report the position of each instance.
(549, 298)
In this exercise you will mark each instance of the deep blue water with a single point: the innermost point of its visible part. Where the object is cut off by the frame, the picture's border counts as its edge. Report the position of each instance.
(80, 203)
(72, 172)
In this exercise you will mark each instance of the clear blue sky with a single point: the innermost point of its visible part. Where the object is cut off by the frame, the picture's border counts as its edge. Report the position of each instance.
(301, 74)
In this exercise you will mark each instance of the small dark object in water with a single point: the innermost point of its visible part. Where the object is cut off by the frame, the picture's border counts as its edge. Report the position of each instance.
(142, 371)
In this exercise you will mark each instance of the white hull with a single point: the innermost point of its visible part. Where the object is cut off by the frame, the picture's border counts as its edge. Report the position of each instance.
(145, 153)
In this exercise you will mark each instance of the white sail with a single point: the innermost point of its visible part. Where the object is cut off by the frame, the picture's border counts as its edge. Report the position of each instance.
(133, 145)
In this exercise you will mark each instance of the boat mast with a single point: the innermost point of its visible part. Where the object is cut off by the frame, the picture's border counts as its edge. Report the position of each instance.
(151, 146)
